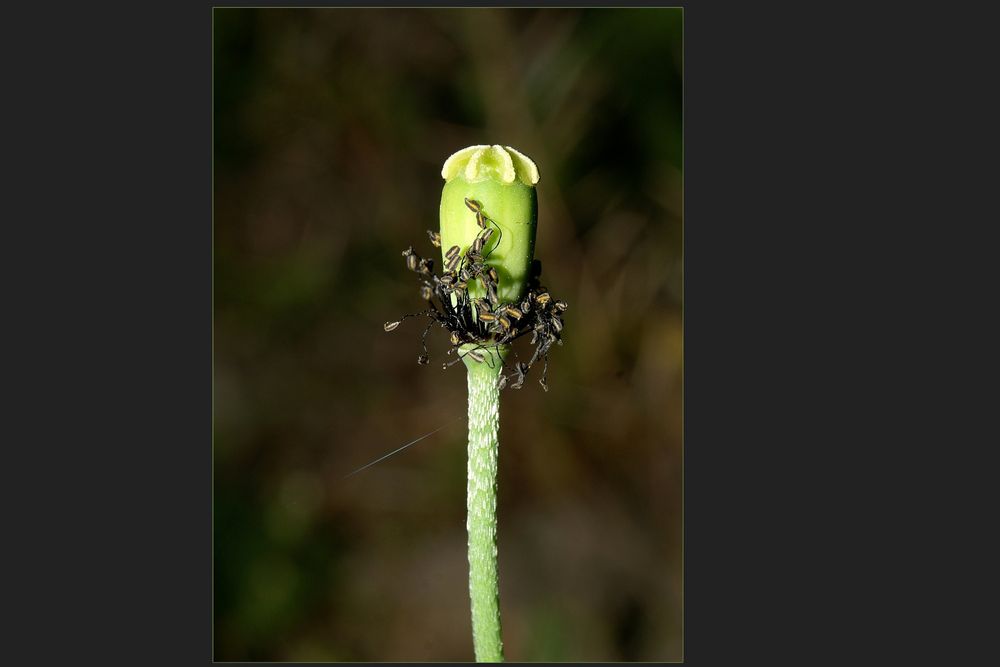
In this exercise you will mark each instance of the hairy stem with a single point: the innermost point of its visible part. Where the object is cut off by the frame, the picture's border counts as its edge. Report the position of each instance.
(484, 424)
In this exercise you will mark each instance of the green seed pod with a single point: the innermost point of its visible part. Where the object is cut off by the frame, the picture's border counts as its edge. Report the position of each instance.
(499, 184)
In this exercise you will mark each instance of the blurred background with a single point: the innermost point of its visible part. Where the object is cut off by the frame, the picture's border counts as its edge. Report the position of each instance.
(330, 129)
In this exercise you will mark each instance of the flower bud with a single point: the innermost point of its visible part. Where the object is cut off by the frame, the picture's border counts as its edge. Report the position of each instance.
(495, 186)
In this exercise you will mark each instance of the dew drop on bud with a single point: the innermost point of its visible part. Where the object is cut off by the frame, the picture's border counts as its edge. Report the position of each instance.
(389, 326)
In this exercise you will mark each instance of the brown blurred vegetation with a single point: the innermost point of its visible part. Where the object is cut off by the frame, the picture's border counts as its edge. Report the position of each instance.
(330, 130)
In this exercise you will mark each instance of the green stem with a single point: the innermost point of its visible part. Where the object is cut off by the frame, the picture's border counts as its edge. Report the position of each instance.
(484, 424)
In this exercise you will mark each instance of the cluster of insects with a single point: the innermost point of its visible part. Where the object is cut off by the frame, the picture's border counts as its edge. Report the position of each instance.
(484, 321)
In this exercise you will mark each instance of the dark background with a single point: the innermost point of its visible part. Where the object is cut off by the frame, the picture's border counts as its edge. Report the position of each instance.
(330, 130)
(815, 426)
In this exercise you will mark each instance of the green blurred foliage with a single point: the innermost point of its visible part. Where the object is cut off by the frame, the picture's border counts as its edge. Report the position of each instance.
(331, 126)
